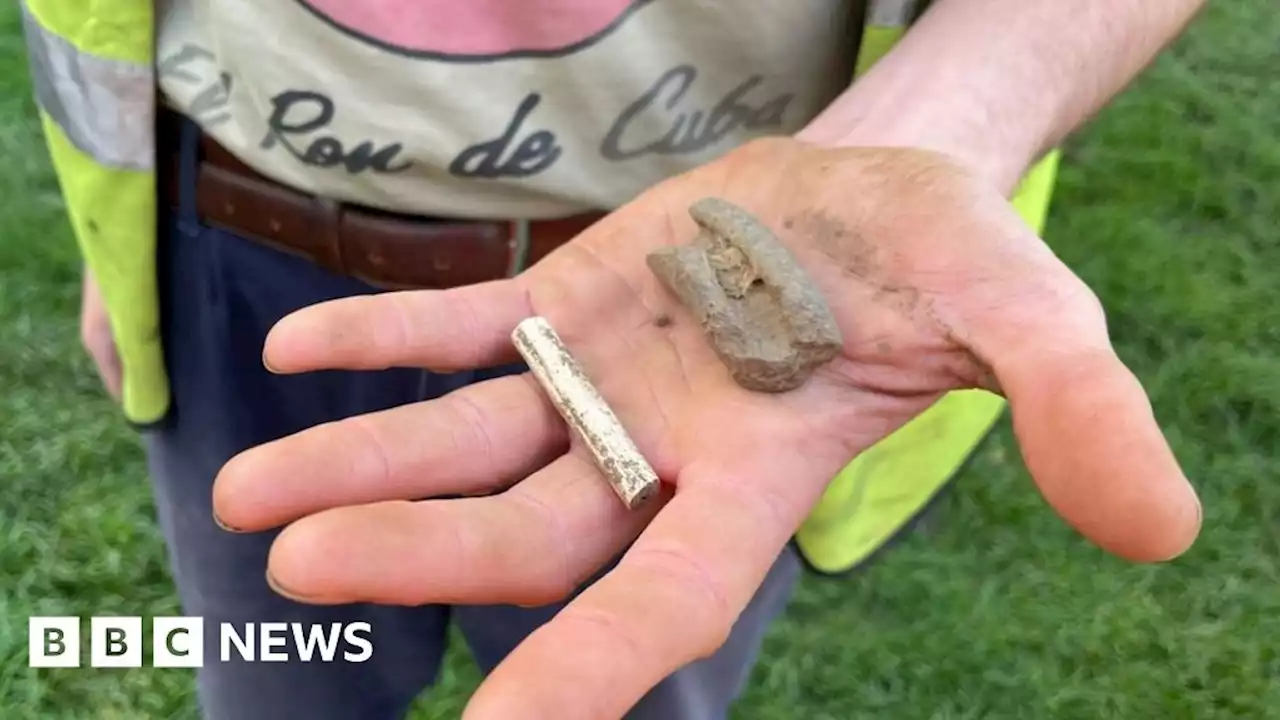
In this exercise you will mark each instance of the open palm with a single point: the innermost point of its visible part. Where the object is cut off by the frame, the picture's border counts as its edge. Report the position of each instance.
(935, 284)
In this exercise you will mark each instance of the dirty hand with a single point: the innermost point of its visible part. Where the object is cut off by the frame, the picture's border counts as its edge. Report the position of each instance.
(935, 284)
(95, 335)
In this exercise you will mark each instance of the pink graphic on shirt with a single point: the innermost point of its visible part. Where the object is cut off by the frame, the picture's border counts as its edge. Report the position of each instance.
(471, 30)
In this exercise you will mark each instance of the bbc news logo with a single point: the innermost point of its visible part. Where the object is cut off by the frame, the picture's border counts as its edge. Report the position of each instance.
(179, 642)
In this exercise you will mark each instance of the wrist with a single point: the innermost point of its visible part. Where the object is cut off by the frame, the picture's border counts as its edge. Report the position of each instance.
(986, 152)
(904, 102)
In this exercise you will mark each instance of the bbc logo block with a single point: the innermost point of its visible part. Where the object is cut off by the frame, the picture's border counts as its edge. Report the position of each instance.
(114, 642)
(177, 642)
(53, 642)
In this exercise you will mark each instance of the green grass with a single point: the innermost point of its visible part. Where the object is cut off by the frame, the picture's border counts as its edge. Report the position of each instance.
(1167, 207)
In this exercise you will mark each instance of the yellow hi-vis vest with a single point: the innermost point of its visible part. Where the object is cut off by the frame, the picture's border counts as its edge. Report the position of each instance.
(92, 67)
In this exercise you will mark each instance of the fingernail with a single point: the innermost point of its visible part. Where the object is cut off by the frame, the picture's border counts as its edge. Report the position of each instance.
(218, 521)
(267, 364)
(282, 590)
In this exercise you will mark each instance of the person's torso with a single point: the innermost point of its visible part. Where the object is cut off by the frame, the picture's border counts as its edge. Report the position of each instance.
(517, 108)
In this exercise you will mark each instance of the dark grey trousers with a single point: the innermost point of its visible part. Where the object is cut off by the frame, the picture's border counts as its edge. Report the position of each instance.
(220, 295)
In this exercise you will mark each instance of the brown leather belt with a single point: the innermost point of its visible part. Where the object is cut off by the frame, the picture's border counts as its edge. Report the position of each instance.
(384, 249)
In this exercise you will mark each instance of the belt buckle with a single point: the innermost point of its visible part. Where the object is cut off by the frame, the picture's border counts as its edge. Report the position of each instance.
(520, 242)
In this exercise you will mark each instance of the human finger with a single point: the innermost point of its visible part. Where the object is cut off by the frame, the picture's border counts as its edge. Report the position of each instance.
(530, 545)
(106, 360)
(671, 600)
(460, 328)
(474, 440)
(97, 338)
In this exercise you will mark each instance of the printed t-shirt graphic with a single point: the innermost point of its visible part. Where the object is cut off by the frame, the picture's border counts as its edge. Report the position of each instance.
(476, 29)
(496, 108)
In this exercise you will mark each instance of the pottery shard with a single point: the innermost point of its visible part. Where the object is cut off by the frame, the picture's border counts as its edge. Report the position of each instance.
(761, 312)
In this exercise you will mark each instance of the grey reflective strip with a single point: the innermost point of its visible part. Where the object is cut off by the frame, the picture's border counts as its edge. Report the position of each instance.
(892, 13)
(105, 107)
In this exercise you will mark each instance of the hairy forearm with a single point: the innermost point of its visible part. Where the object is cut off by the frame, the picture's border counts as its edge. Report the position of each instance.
(996, 83)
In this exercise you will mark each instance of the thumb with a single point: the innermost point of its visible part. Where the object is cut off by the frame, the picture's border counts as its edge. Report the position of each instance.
(1084, 424)
(96, 336)
(107, 360)
(1092, 444)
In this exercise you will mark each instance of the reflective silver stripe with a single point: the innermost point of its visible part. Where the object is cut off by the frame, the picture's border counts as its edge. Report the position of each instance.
(892, 13)
(105, 107)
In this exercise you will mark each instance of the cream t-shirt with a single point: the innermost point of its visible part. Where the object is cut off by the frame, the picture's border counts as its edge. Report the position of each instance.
(497, 108)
